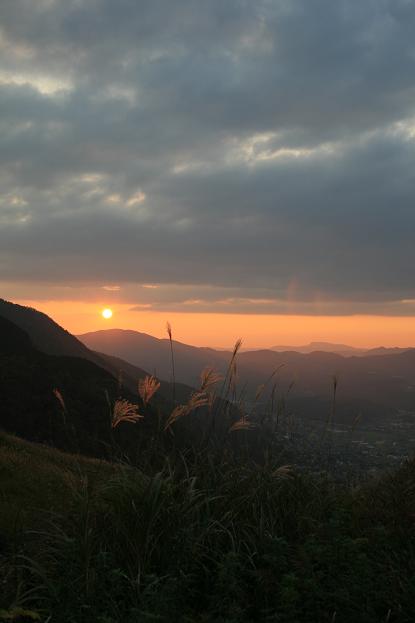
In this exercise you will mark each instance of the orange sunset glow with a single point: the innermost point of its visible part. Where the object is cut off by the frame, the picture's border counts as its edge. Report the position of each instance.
(207, 311)
(221, 330)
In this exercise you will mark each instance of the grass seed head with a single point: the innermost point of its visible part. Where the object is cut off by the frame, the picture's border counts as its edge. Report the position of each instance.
(124, 411)
(59, 397)
(147, 387)
(242, 424)
(209, 378)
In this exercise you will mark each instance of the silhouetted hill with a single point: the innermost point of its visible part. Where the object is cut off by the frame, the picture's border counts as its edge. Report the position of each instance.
(52, 339)
(67, 401)
(129, 373)
(13, 339)
(76, 418)
(373, 385)
(153, 353)
(45, 333)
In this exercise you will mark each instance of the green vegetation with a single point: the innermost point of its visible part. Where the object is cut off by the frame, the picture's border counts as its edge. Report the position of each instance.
(35, 478)
(205, 538)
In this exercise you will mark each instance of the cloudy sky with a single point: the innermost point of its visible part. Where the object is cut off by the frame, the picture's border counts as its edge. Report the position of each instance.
(209, 157)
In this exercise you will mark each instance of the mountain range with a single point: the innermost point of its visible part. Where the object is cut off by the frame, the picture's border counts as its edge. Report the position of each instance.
(52, 339)
(55, 390)
(340, 349)
(370, 385)
(57, 399)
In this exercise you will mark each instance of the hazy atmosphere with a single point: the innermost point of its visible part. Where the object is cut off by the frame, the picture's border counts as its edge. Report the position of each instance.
(211, 158)
(207, 311)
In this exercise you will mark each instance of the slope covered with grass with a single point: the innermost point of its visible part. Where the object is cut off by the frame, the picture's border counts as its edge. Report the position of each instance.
(208, 538)
(55, 399)
(35, 478)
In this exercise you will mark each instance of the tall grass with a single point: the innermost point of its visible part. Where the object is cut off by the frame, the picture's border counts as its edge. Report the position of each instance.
(220, 541)
(207, 523)
(173, 379)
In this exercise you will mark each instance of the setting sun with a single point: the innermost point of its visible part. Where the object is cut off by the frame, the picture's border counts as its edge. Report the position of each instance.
(207, 310)
(106, 313)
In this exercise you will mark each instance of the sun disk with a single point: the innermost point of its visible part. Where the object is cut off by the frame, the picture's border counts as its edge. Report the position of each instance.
(106, 313)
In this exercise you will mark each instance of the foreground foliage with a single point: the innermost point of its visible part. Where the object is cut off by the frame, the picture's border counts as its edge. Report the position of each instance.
(208, 537)
(196, 516)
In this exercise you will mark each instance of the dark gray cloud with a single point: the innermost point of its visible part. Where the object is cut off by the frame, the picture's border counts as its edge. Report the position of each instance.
(246, 156)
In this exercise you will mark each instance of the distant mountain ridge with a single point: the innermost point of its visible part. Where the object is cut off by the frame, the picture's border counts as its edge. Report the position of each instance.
(367, 383)
(57, 391)
(135, 347)
(328, 347)
(340, 349)
(370, 384)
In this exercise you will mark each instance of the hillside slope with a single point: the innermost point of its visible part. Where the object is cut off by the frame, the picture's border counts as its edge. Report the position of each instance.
(45, 333)
(37, 478)
(137, 347)
(210, 543)
(52, 339)
(63, 401)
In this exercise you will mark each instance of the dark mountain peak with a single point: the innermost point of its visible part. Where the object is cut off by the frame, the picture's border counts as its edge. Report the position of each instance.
(152, 353)
(45, 333)
(50, 338)
(94, 340)
(13, 340)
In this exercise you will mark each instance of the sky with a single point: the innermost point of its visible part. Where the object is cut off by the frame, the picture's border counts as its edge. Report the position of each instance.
(235, 167)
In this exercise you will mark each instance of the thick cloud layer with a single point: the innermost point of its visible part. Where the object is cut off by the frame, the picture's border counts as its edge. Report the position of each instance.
(245, 156)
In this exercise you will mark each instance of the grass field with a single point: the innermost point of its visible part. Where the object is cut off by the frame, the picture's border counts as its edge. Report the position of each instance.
(207, 538)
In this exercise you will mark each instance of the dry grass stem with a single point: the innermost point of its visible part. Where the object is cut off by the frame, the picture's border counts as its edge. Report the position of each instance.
(147, 387)
(209, 379)
(124, 411)
(59, 397)
(197, 399)
(236, 349)
(170, 334)
(261, 388)
(242, 424)
(284, 472)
